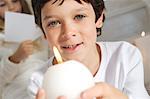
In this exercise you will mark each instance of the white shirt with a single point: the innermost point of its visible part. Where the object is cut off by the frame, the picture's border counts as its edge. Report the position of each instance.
(121, 66)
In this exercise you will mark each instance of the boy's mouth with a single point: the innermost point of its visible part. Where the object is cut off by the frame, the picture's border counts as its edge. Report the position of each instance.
(72, 47)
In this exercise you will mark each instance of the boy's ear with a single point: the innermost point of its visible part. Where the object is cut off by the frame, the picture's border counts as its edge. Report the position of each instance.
(99, 22)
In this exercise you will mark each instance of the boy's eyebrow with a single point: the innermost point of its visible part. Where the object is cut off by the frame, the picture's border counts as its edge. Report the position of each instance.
(82, 9)
(77, 10)
(47, 17)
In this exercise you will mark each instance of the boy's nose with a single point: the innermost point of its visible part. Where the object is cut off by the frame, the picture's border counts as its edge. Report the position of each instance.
(68, 35)
(69, 32)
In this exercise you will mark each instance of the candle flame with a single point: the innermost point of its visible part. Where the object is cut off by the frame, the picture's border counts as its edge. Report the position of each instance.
(57, 55)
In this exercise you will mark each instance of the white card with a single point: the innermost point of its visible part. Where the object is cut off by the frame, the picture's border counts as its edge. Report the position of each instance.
(20, 27)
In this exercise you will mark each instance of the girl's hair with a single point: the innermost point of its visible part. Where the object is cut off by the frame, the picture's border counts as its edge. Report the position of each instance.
(25, 7)
(98, 6)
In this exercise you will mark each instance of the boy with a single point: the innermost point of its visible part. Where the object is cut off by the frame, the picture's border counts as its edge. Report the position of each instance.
(70, 25)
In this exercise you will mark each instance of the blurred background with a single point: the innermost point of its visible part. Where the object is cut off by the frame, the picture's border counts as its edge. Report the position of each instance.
(126, 19)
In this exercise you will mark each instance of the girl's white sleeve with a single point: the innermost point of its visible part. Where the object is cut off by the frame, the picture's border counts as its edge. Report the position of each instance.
(8, 71)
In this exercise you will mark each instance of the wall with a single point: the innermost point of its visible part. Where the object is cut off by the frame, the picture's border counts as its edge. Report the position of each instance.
(125, 19)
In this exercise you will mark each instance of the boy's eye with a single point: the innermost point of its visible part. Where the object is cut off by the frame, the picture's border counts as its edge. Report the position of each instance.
(79, 17)
(2, 4)
(53, 23)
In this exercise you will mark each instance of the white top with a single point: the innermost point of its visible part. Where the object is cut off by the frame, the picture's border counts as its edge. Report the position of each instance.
(14, 78)
(121, 66)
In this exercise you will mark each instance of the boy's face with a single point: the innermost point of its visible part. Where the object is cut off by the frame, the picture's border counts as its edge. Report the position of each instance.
(70, 27)
(9, 5)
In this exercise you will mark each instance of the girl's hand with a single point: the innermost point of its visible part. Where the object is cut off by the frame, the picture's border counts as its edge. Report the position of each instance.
(24, 50)
(103, 91)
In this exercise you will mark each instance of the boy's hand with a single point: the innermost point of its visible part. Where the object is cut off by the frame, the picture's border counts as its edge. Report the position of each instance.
(100, 91)
(41, 95)
(103, 91)
(24, 50)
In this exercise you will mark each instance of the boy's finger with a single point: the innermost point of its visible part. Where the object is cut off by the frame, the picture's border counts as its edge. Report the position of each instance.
(40, 94)
(96, 91)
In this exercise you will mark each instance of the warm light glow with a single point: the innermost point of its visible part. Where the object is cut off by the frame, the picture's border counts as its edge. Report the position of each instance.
(143, 34)
(57, 55)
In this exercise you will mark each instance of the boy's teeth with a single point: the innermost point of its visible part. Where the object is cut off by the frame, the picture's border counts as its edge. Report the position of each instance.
(70, 46)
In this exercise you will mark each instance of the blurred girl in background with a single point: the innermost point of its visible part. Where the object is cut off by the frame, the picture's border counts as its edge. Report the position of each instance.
(18, 61)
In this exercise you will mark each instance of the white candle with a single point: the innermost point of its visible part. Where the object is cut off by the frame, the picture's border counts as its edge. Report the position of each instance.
(68, 78)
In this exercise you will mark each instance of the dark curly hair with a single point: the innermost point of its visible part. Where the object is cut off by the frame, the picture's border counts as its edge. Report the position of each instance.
(98, 6)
